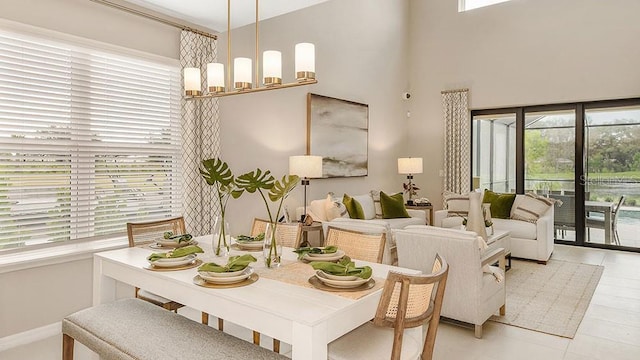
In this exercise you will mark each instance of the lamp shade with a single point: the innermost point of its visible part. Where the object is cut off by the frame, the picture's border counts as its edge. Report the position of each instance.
(215, 76)
(305, 61)
(305, 166)
(192, 81)
(272, 66)
(409, 165)
(242, 73)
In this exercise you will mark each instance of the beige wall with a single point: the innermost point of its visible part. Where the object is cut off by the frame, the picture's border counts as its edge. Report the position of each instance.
(516, 53)
(360, 56)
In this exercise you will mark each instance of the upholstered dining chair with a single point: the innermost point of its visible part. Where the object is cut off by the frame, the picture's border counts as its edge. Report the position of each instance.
(367, 246)
(288, 235)
(144, 233)
(407, 301)
(598, 223)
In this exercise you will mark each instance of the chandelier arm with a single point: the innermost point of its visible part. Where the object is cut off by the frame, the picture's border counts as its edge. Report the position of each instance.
(247, 91)
(257, 75)
(228, 85)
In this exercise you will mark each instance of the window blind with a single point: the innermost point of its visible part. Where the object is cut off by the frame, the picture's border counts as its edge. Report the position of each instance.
(88, 141)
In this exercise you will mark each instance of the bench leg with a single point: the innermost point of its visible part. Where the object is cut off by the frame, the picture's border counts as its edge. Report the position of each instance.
(276, 345)
(478, 331)
(256, 338)
(503, 310)
(67, 347)
(220, 324)
(205, 318)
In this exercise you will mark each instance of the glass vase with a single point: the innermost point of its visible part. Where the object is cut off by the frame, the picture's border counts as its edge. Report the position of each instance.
(221, 241)
(272, 249)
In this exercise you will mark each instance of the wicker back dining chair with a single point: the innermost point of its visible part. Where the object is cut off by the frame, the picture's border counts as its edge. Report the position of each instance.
(357, 244)
(407, 301)
(144, 233)
(288, 235)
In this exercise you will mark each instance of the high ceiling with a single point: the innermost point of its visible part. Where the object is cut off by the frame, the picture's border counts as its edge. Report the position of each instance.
(212, 14)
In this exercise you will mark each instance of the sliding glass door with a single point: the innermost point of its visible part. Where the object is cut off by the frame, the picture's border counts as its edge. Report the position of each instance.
(612, 180)
(585, 155)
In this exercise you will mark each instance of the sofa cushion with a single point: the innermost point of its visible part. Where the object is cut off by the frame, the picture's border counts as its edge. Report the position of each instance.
(456, 204)
(334, 208)
(500, 203)
(353, 207)
(393, 206)
(366, 201)
(530, 207)
(401, 223)
(518, 229)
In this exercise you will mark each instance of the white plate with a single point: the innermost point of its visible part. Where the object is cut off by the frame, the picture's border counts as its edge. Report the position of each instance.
(205, 275)
(173, 262)
(339, 277)
(345, 284)
(325, 257)
(223, 274)
(171, 244)
(250, 245)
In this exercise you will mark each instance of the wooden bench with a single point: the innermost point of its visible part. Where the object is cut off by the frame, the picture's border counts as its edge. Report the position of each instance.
(135, 329)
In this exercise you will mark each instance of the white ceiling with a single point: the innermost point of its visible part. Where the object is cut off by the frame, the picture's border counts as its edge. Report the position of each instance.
(212, 14)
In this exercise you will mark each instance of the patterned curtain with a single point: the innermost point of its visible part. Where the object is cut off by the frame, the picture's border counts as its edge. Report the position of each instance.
(200, 137)
(457, 154)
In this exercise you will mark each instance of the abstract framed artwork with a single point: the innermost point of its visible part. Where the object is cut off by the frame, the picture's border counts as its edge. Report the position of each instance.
(338, 130)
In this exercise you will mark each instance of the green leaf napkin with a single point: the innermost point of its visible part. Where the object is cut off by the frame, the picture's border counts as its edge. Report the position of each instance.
(168, 235)
(236, 263)
(245, 238)
(343, 267)
(179, 252)
(315, 250)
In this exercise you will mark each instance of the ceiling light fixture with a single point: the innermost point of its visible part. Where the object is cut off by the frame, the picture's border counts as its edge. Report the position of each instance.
(242, 70)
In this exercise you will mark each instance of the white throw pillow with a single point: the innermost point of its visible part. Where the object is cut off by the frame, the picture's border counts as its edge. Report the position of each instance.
(530, 207)
(456, 204)
(366, 201)
(334, 208)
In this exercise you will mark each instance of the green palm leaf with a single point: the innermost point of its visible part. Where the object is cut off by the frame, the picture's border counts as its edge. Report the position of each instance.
(252, 181)
(216, 171)
(282, 188)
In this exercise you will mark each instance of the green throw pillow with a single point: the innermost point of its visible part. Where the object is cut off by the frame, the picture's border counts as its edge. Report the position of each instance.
(353, 207)
(393, 206)
(500, 203)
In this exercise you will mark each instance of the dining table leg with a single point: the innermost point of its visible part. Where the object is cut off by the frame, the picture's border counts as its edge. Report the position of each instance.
(309, 342)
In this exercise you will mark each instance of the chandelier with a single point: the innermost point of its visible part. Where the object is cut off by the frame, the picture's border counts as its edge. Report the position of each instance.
(242, 70)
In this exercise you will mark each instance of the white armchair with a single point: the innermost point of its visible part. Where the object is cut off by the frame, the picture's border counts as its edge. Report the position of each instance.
(472, 295)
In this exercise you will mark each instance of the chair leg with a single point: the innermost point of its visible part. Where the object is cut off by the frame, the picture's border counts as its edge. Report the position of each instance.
(67, 347)
(220, 324)
(256, 338)
(276, 345)
(205, 318)
(503, 310)
(478, 331)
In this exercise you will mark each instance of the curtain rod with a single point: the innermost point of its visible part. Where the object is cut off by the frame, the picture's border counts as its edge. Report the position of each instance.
(452, 91)
(155, 18)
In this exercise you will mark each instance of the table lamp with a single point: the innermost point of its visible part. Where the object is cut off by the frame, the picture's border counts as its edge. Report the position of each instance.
(305, 166)
(410, 166)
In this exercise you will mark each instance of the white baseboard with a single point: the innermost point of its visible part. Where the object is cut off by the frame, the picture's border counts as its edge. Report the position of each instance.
(30, 336)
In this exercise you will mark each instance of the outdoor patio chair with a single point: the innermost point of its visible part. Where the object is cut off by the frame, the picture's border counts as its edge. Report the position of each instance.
(598, 223)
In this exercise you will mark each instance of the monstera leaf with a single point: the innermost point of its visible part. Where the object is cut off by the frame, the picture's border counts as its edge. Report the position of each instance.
(216, 171)
(255, 180)
(282, 188)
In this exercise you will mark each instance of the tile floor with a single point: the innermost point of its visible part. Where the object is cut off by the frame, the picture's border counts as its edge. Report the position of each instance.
(610, 329)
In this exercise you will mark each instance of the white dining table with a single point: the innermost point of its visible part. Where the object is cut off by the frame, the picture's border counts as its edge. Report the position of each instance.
(307, 318)
(605, 207)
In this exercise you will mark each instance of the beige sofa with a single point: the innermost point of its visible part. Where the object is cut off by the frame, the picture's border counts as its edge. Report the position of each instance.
(324, 211)
(529, 240)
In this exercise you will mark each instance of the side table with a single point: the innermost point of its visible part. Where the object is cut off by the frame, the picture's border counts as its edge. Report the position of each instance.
(423, 207)
(501, 239)
(315, 226)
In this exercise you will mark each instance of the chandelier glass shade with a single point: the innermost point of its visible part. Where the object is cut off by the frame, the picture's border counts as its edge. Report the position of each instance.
(245, 80)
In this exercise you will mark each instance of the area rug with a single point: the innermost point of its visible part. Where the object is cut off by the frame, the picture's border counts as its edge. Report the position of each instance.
(549, 298)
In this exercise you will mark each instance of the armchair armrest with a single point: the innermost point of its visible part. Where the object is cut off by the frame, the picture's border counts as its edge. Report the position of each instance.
(494, 255)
